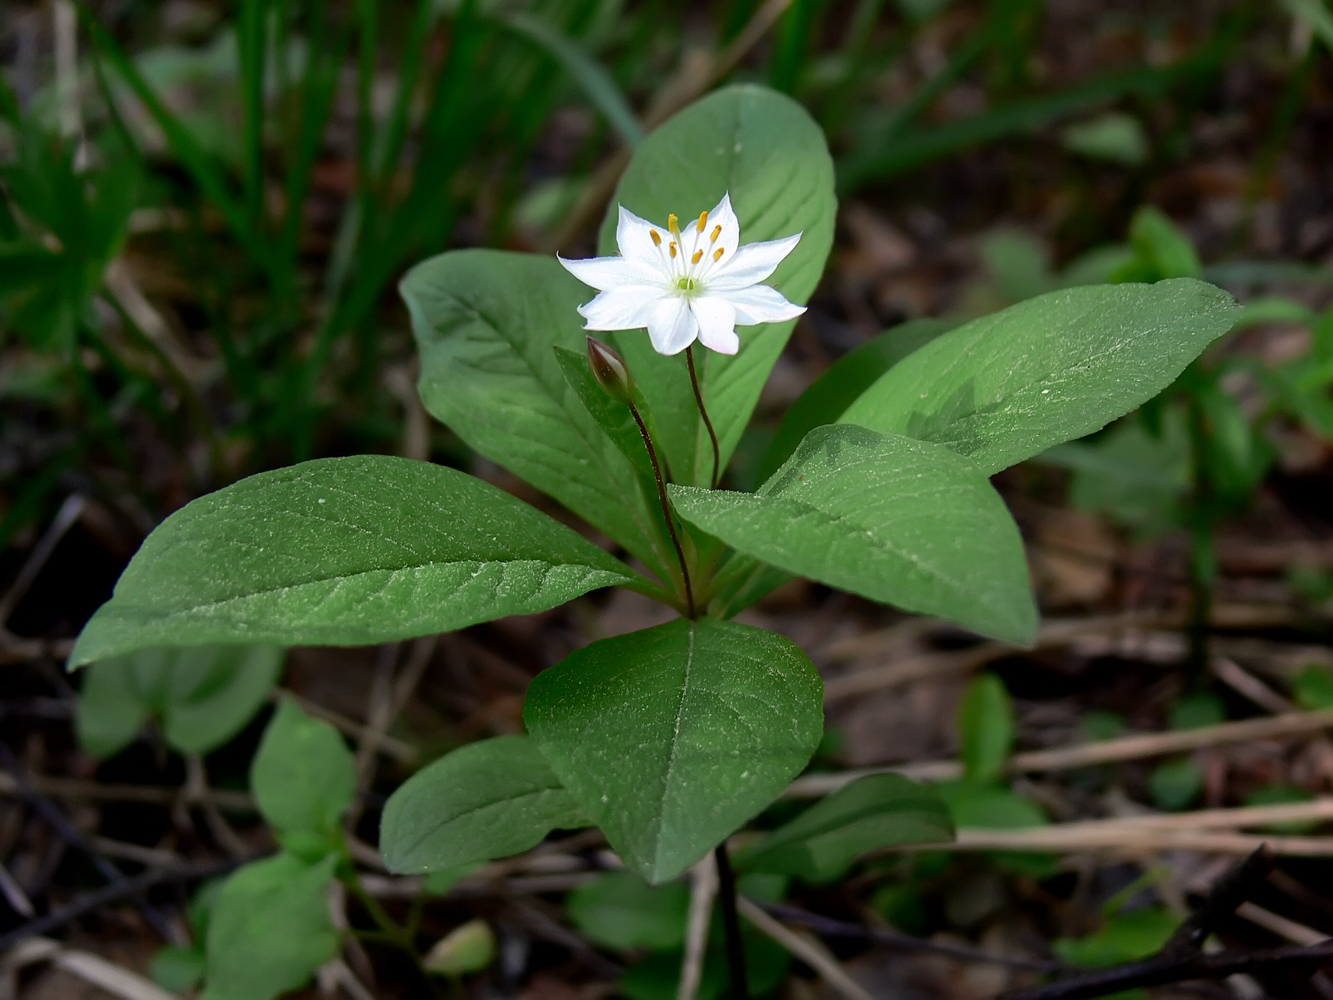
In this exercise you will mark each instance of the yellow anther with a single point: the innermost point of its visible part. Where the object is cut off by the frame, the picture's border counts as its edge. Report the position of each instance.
(703, 220)
(673, 246)
(673, 224)
(717, 231)
(657, 240)
(717, 254)
(698, 256)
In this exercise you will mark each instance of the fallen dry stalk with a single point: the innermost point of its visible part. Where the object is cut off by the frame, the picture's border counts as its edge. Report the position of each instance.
(1134, 747)
(1110, 836)
(808, 950)
(79, 789)
(702, 893)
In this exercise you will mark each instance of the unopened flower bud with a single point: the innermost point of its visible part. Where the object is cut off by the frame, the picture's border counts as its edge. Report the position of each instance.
(608, 368)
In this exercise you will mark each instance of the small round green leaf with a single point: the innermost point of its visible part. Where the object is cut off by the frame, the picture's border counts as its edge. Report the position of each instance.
(270, 929)
(303, 776)
(486, 800)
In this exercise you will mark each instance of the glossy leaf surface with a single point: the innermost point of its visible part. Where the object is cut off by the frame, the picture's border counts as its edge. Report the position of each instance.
(486, 800)
(893, 519)
(343, 551)
(672, 737)
(1008, 386)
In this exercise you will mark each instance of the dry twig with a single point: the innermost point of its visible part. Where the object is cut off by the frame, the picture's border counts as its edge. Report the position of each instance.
(1133, 747)
(703, 892)
(807, 949)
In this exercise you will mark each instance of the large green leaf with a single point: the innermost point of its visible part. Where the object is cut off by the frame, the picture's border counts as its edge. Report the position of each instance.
(343, 551)
(893, 519)
(1012, 384)
(764, 149)
(673, 737)
(203, 695)
(486, 800)
(270, 929)
(485, 323)
(852, 374)
(881, 810)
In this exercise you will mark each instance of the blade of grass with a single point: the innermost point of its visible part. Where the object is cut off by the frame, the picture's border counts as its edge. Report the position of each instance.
(453, 121)
(201, 167)
(590, 75)
(252, 55)
(318, 90)
(908, 151)
(1317, 15)
(793, 43)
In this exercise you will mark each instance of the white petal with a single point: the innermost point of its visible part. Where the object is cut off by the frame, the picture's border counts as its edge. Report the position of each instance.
(625, 308)
(752, 263)
(634, 237)
(730, 236)
(671, 325)
(609, 272)
(717, 323)
(761, 304)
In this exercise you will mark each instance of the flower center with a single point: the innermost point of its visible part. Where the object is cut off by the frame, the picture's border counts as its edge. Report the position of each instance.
(689, 256)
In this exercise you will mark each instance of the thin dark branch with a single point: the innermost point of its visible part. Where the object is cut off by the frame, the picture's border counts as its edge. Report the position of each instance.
(703, 412)
(1233, 889)
(830, 928)
(116, 892)
(731, 924)
(1161, 970)
(1182, 958)
(73, 837)
(666, 508)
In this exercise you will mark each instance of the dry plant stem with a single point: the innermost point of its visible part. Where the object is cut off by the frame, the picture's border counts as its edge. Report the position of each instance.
(1159, 972)
(117, 892)
(109, 978)
(666, 510)
(828, 927)
(196, 793)
(1131, 841)
(731, 924)
(809, 951)
(1135, 747)
(79, 790)
(66, 517)
(703, 412)
(1182, 958)
(702, 893)
(73, 837)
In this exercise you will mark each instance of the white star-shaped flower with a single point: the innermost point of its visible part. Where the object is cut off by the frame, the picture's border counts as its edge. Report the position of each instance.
(699, 283)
